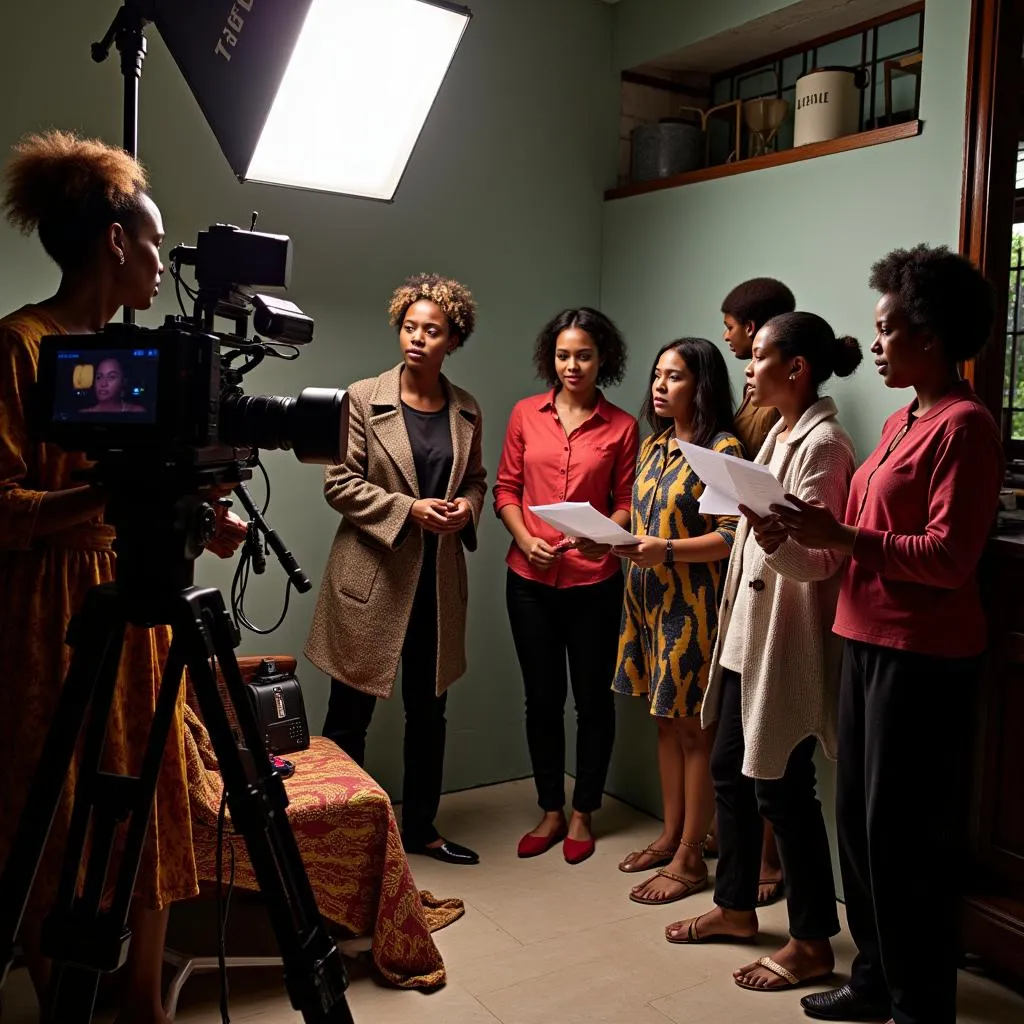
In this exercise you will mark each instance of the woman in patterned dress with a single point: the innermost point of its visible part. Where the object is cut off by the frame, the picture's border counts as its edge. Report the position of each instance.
(670, 612)
(89, 204)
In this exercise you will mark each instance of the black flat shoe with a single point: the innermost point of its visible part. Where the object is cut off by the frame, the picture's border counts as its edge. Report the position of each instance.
(843, 1003)
(449, 852)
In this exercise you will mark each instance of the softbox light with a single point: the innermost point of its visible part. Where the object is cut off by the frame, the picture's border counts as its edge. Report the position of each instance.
(328, 95)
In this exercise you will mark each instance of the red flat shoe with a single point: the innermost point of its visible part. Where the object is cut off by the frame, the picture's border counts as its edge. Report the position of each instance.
(575, 851)
(534, 846)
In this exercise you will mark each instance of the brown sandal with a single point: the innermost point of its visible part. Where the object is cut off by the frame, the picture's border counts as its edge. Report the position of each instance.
(777, 894)
(662, 857)
(693, 939)
(690, 886)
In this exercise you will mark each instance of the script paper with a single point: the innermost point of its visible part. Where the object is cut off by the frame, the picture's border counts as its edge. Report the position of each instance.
(581, 519)
(730, 482)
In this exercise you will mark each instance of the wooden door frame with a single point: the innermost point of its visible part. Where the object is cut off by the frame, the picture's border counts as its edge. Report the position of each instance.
(990, 154)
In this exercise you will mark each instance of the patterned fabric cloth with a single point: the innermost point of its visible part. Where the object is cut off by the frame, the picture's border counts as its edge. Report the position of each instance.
(670, 613)
(43, 581)
(352, 850)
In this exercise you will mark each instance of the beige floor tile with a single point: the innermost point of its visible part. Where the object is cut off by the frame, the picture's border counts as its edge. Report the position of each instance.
(982, 1001)
(546, 943)
(474, 936)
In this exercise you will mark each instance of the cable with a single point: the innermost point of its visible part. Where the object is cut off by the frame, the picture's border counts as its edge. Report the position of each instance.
(253, 560)
(223, 904)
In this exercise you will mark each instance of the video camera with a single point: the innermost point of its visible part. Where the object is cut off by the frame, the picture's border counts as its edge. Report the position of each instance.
(134, 399)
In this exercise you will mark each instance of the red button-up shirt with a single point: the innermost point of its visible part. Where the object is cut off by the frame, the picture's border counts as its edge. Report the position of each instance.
(540, 465)
(924, 508)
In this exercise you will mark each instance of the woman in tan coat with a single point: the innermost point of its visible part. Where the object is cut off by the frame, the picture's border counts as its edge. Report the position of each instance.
(410, 492)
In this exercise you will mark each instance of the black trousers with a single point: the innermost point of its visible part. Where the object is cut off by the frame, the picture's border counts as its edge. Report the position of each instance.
(349, 713)
(791, 805)
(901, 810)
(548, 625)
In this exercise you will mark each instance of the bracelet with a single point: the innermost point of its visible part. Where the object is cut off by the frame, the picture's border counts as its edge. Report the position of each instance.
(669, 558)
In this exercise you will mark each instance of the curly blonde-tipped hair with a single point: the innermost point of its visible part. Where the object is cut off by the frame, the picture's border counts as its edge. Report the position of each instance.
(70, 190)
(455, 300)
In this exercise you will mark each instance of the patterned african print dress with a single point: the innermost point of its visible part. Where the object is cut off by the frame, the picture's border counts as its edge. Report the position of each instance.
(43, 581)
(670, 612)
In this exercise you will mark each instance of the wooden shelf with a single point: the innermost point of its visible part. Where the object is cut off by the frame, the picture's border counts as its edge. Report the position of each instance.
(875, 137)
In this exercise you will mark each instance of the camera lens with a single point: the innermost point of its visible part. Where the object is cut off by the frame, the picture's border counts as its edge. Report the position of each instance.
(314, 425)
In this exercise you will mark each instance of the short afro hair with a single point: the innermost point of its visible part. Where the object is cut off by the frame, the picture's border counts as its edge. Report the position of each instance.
(455, 300)
(758, 300)
(611, 346)
(71, 190)
(941, 293)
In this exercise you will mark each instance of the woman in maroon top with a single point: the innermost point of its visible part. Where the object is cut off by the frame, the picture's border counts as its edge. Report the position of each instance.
(567, 444)
(920, 510)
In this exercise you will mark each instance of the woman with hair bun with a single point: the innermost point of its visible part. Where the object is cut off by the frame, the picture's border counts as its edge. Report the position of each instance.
(89, 204)
(410, 493)
(771, 689)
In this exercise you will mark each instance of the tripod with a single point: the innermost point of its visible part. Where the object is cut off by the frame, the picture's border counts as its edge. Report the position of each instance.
(85, 935)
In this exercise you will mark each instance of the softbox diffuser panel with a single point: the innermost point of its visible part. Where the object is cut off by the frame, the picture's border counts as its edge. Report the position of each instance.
(234, 82)
(329, 95)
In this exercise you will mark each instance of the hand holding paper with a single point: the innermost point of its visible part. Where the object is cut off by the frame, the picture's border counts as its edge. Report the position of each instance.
(581, 519)
(730, 482)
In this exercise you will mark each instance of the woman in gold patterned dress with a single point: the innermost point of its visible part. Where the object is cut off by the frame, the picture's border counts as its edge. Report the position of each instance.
(88, 202)
(670, 611)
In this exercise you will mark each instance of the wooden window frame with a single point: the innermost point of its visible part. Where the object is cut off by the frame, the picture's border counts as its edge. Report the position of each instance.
(987, 208)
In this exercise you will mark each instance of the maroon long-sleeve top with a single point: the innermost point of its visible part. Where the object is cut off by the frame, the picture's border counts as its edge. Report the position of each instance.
(924, 505)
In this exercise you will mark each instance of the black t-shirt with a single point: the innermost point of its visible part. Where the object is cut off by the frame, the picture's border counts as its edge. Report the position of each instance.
(430, 436)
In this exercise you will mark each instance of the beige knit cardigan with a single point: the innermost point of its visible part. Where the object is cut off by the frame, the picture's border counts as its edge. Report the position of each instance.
(791, 656)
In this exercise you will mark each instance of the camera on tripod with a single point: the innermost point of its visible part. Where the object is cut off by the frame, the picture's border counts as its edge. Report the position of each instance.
(135, 399)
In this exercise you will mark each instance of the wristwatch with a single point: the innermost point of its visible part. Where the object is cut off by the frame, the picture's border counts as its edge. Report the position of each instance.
(669, 559)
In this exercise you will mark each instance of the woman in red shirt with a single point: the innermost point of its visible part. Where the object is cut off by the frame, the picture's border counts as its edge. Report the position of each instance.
(567, 444)
(920, 511)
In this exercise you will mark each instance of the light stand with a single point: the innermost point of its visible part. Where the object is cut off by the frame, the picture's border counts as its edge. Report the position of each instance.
(127, 32)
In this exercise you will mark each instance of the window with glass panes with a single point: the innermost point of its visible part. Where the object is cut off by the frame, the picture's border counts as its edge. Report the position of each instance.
(1013, 371)
(868, 47)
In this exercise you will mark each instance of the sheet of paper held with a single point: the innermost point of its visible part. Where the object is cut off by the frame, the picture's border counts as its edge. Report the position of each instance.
(730, 481)
(581, 519)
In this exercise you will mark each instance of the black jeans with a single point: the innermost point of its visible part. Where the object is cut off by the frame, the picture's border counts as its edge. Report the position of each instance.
(791, 805)
(349, 713)
(903, 728)
(549, 624)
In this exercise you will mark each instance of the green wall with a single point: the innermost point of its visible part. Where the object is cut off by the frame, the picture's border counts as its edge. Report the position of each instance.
(504, 191)
(647, 29)
(671, 256)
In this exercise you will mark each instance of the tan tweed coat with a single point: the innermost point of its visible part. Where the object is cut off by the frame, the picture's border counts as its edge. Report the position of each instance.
(791, 656)
(370, 579)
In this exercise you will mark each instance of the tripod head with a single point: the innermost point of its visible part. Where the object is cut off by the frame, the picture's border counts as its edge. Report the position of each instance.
(164, 516)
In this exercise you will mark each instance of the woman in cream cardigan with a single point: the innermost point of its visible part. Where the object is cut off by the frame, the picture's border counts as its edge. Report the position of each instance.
(771, 688)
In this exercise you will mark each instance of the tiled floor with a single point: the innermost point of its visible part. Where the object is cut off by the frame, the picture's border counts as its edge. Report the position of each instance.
(546, 943)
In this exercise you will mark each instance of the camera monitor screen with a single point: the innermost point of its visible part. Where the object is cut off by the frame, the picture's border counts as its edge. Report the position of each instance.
(106, 386)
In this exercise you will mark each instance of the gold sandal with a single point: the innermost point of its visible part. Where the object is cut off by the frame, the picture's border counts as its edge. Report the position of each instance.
(790, 979)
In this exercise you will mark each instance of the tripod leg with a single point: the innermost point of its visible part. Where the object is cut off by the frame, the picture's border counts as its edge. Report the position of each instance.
(84, 938)
(314, 972)
(93, 671)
